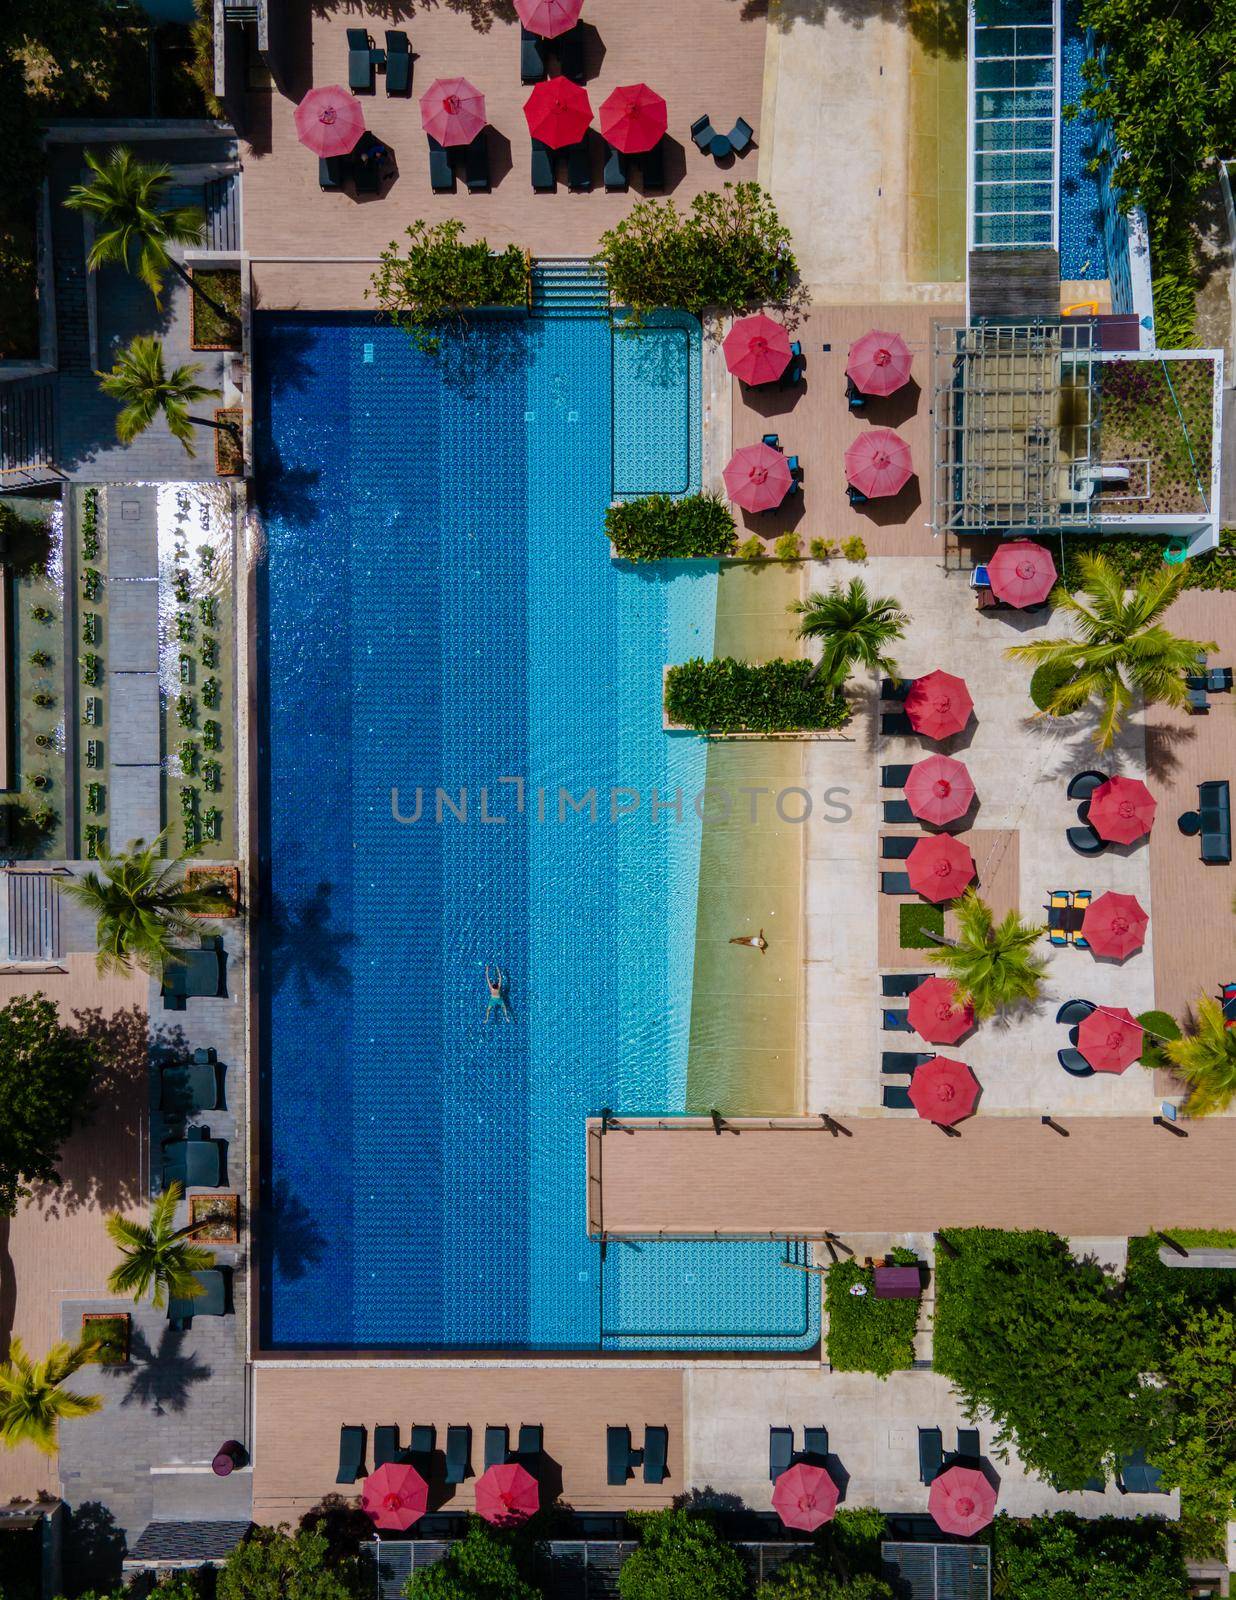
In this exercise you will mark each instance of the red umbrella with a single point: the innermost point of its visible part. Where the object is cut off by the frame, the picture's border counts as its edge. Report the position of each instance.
(558, 112)
(329, 121)
(506, 1494)
(549, 18)
(1114, 925)
(633, 118)
(1022, 573)
(879, 463)
(1110, 1038)
(940, 867)
(805, 1497)
(943, 1090)
(757, 477)
(452, 111)
(878, 362)
(394, 1496)
(1122, 809)
(961, 1501)
(935, 1013)
(939, 789)
(938, 705)
(757, 349)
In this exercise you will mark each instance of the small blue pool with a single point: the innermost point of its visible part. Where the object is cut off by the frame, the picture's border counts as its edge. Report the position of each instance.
(445, 641)
(1083, 253)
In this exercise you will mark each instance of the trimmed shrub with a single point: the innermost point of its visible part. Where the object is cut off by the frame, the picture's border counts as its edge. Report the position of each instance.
(751, 549)
(657, 527)
(823, 549)
(866, 1334)
(789, 547)
(729, 696)
(1046, 679)
(854, 548)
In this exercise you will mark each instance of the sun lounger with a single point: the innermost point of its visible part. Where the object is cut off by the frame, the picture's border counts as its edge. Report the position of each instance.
(780, 1451)
(570, 48)
(1085, 841)
(194, 1162)
(1083, 784)
(740, 135)
(930, 1454)
(421, 1446)
(531, 57)
(1081, 899)
(385, 1446)
(896, 688)
(543, 179)
(579, 166)
(815, 1444)
(1218, 679)
(652, 169)
(895, 724)
(898, 811)
(968, 1446)
(530, 1447)
(1214, 811)
(702, 133)
(1074, 1063)
(854, 397)
(332, 173)
(895, 983)
(191, 1087)
(361, 61)
(618, 1455)
(905, 1060)
(458, 1452)
(894, 1021)
(895, 883)
(212, 1302)
(367, 176)
(617, 180)
(196, 974)
(895, 1097)
(398, 62)
(656, 1453)
(351, 1454)
(476, 164)
(497, 1446)
(897, 846)
(1135, 1475)
(894, 777)
(1198, 703)
(1073, 1011)
(441, 172)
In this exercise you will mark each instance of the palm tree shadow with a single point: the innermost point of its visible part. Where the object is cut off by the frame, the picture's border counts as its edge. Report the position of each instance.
(291, 1239)
(164, 1378)
(306, 948)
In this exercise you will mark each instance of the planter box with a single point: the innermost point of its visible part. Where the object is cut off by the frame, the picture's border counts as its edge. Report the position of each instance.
(229, 452)
(221, 1212)
(113, 1327)
(228, 878)
(195, 308)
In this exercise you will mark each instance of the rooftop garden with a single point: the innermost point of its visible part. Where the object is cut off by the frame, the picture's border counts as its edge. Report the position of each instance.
(1157, 416)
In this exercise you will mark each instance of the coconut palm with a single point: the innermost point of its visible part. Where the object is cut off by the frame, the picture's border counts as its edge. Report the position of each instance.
(1206, 1060)
(991, 963)
(133, 223)
(142, 904)
(33, 1400)
(158, 1258)
(146, 390)
(1119, 647)
(853, 627)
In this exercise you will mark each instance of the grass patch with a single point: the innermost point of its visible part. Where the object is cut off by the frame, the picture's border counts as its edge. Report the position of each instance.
(866, 1334)
(212, 331)
(111, 1333)
(917, 922)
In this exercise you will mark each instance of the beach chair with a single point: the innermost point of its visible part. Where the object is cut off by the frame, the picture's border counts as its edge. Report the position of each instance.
(894, 1021)
(854, 398)
(894, 1061)
(930, 1454)
(476, 164)
(1058, 902)
(1081, 899)
(896, 776)
(421, 1445)
(897, 846)
(441, 172)
(1218, 679)
(896, 883)
(618, 1454)
(616, 177)
(895, 724)
(1085, 841)
(188, 1088)
(570, 48)
(652, 169)
(898, 983)
(579, 167)
(543, 179)
(530, 1447)
(702, 133)
(367, 176)
(1083, 784)
(740, 135)
(896, 688)
(898, 811)
(1135, 1475)
(968, 1446)
(1074, 1011)
(212, 1302)
(531, 56)
(497, 1446)
(780, 1452)
(1074, 1063)
(361, 61)
(895, 1097)
(351, 1454)
(398, 62)
(656, 1453)
(458, 1452)
(332, 173)
(1198, 704)
(815, 1445)
(385, 1446)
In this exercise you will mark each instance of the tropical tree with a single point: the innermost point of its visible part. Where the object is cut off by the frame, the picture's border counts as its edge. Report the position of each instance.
(681, 1555)
(1206, 1060)
(157, 1256)
(33, 1399)
(486, 1564)
(277, 1564)
(46, 1071)
(146, 389)
(1199, 1458)
(142, 904)
(1119, 647)
(854, 628)
(134, 224)
(992, 963)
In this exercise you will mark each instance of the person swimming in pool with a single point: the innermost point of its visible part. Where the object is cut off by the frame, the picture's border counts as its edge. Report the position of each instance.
(497, 998)
(757, 941)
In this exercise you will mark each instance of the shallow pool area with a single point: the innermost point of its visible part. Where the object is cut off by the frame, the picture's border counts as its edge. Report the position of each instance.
(463, 763)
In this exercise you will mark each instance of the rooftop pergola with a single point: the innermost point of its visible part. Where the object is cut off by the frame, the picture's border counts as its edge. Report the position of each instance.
(1015, 409)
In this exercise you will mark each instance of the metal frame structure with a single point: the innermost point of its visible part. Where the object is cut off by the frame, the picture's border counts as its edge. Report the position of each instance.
(1013, 124)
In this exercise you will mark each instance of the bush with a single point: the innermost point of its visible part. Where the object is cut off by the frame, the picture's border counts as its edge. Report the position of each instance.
(1046, 680)
(729, 251)
(439, 277)
(823, 549)
(729, 696)
(1108, 1558)
(809, 1577)
(854, 548)
(292, 1566)
(657, 527)
(751, 549)
(1159, 1026)
(789, 547)
(681, 1556)
(866, 1334)
(917, 921)
(45, 1075)
(483, 1565)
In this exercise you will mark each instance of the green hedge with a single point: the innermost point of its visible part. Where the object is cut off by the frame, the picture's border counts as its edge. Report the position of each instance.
(866, 1334)
(660, 528)
(729, 696)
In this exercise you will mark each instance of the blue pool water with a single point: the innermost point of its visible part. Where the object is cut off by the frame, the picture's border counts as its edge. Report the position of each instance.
(441, 613)
(1082, 251)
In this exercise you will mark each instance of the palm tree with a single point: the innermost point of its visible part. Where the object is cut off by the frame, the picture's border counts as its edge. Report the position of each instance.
(126, 198)
(32, 1399)
(142, 904)
(1206, 1060)
(853, 627)
(991, 963)
(157, 1256)
(1119, 647)
(144, 388)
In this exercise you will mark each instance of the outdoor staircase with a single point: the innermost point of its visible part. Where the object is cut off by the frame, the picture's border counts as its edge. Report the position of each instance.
(27, 432)
(568, 286)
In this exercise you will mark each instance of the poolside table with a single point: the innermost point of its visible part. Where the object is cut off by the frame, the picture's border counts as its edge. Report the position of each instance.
(719, 147)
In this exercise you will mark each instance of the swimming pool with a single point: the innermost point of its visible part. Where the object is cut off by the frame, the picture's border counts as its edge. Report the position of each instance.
(441, 616)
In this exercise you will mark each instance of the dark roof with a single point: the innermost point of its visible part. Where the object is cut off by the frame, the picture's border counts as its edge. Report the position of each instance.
(188, 1541)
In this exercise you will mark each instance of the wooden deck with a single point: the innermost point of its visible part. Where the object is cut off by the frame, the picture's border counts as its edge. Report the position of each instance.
(298, 1411)
(997, 858)
(1105, 1176)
